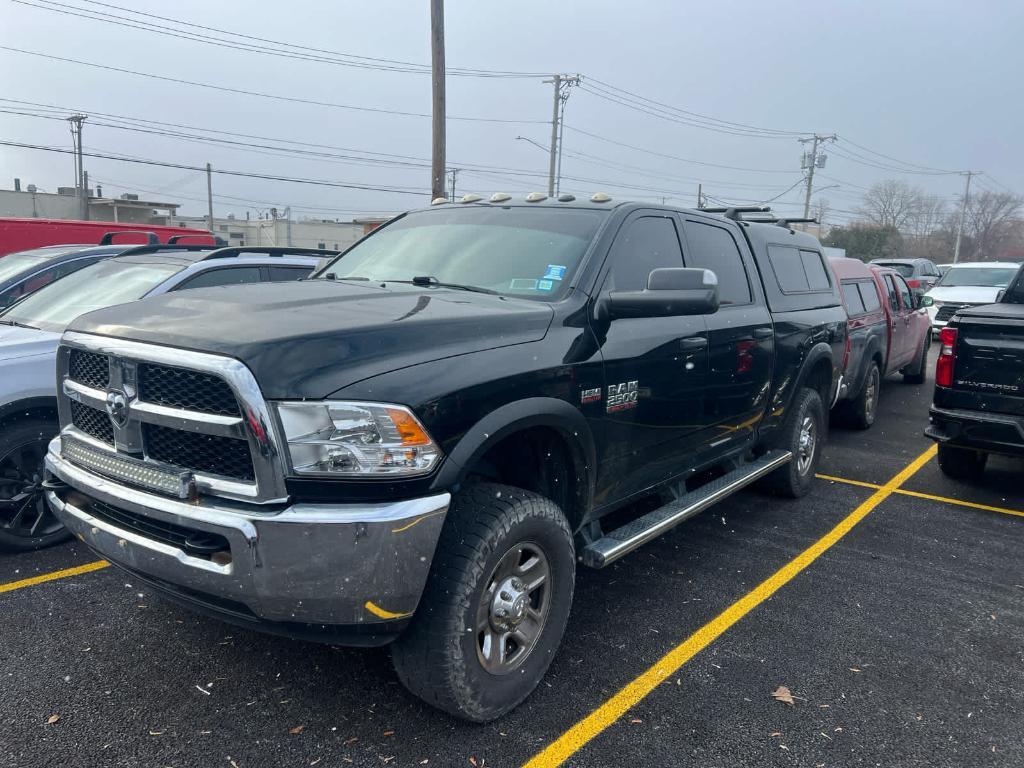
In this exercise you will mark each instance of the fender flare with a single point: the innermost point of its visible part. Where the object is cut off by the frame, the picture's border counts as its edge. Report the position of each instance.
(818, 352)
(27, 404)
(523, 414)
(873, 350)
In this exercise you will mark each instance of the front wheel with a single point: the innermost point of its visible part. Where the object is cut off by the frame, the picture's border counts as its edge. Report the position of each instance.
(802, 435)
(495, 606)
(26, 522)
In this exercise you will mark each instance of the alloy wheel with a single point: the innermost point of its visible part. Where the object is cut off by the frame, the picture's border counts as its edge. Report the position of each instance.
(24, 512)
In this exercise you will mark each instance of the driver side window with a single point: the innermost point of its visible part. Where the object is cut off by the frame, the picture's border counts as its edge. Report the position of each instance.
(644, 244)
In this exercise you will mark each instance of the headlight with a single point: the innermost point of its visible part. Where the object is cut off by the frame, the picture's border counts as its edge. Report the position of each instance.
(936, 304)
(354, 439)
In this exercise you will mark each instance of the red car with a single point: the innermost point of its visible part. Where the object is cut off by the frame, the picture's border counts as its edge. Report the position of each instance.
(887, 331)
(25, 234)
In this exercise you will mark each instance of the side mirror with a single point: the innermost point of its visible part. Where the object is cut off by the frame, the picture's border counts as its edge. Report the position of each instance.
(1000, 295)
(925, 301)
(671, 292)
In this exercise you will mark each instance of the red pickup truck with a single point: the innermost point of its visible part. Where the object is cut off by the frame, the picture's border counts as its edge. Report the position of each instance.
(887, 331)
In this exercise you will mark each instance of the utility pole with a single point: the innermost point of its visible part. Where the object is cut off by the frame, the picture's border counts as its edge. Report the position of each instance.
(562, 85)
(812, 160)
(209, 195)
(700, 196)
(963, 215)
(76, 135)
(85, 195)
(437, 169)
(453, 172)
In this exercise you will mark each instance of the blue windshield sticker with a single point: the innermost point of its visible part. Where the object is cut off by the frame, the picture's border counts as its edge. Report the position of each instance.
(555, 272)
(545, 285)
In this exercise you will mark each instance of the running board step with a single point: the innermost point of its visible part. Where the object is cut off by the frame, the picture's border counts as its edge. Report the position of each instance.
(624, 540)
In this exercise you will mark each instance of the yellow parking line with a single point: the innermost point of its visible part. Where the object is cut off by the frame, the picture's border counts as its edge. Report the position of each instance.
(574, 739)
(929, 496)
(53, 576)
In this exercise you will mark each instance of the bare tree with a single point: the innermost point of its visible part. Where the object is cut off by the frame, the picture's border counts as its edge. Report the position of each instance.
(990, 219)
(927, 217)
(890, 203)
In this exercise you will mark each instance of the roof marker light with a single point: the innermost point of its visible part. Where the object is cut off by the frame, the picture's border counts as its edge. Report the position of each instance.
(536, 197)
(439, 201)
(566, 198)
(470, 198)
(500, 197)
(600, 197)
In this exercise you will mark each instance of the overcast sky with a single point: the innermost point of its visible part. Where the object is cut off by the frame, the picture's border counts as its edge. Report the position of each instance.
(934, 84)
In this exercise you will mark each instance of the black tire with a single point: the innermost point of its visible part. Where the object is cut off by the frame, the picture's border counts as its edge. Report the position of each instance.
(441, 656)
(961, 463)
(863, 409)
(794, 480)
(26, 522)
(918, 374)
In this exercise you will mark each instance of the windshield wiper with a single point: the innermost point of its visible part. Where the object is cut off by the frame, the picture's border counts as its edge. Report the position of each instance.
(18, 325)
(430, 280)
(334, 276)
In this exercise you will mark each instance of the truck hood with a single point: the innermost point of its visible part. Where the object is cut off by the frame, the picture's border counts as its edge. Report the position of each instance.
(308, 339)
(967, 294)
(18, 342)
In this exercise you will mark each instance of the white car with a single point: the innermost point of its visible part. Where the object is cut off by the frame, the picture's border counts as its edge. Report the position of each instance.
(970, 284)
(31, 329)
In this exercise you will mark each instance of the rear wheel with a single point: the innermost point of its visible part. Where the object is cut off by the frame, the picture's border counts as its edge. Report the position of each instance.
(802, 435)
(961, 463)
(864, 407)
(495, 606)
(917, 375)
(26, 522)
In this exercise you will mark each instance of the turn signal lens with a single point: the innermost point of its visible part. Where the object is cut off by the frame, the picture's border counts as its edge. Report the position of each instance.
(947, 357)
(408, 428)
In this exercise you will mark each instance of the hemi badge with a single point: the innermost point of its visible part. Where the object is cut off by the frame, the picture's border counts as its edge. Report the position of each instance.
(590, 395)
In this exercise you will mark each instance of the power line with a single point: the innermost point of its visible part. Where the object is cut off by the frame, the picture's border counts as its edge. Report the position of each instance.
(243, 174)
(302, 52)
(275, 96)
(635, 148)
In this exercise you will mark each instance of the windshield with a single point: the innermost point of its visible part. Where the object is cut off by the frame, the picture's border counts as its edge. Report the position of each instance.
(987, 277)
(97, 286)
(513, 251)
(907, 270)
(15, 263)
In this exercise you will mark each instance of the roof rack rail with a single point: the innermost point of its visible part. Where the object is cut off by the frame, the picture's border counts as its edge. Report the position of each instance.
(217, 241)
(786, 222)
(734, 211)
(141, 250)
(151, 238)
(269, 250)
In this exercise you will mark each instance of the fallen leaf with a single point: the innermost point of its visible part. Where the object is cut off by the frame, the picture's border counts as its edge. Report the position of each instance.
(316, 761)
(156, 733)
(296, 730)
(52, 719)
(783, 694)
(472, 760)
(353, 740)
(636, 720)
(854, 669)
(776, 733)
(233, 763)
(389, 733)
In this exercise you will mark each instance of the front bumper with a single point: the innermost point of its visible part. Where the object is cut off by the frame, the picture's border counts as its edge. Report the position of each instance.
(989, 432)
(304, 564)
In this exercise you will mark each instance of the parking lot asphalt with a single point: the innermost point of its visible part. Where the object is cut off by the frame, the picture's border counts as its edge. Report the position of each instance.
(902, 645)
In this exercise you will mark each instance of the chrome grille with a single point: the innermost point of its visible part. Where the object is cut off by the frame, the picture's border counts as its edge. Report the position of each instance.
(90, 369)
(182, 388)
(93, 422)
(224, 456)
(175, 410)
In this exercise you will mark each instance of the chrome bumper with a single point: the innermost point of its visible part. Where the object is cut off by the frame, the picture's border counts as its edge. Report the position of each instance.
(334, 564)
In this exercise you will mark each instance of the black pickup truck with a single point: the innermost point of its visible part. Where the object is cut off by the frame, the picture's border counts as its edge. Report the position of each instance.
(978, 407)
(417, 445)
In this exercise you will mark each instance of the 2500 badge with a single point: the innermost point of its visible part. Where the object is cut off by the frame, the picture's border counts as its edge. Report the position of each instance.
(622, 396)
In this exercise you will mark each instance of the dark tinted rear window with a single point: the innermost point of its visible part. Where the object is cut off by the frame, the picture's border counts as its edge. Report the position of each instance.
(814, 267)
(907, 270)
(799, 271)
(713, 248)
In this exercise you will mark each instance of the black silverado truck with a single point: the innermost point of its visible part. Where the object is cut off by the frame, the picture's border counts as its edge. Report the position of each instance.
(978, 407)
(417, 445)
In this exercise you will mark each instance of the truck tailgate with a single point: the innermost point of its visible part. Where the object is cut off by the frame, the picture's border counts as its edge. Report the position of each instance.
(990, 357)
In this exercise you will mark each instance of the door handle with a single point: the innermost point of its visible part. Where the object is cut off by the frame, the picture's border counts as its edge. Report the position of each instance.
(763, 333)
(693, 344)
